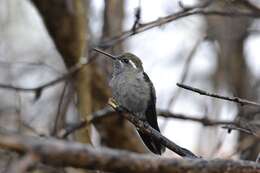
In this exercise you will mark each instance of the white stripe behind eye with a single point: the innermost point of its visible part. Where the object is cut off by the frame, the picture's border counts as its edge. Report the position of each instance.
(133, 64)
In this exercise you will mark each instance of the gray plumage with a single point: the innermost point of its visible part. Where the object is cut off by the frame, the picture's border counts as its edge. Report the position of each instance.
(132, 89)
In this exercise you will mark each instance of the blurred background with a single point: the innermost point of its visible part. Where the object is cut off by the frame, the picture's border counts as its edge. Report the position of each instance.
(42, 40)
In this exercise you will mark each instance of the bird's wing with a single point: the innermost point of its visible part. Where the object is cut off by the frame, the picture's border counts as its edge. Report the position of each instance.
(150, 113)
(151, 117)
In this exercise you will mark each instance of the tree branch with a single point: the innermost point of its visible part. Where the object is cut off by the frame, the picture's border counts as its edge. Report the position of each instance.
(147, 129)
(38, 89)
(204, 120)
(185, 71)
(72, 154)
(243, 128)
(172, 17)
(241, 101)
(71, 128)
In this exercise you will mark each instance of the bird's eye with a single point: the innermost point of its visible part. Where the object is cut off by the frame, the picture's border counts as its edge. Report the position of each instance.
(125, 61)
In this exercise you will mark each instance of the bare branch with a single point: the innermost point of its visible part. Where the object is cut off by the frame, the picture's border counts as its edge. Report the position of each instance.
(147, 129)
(172, 17)
(72, 154)
(246, 127)
(204, 120)
(71, 128)
(103, 113)
(38, 89)
(185, 71)
(106, 111)
(137, 17)
(60, 113)
(241, 128)
(241, 101)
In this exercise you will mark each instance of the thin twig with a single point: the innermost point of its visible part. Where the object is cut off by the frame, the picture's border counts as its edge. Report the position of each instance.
(172, 17)
(106, 111)
(38, 89)
(185, 71)
(230, 125)
(59, 114)
(184, 75)
(71, 128)
(242, 129)
(241, 101)
(204, 120)
(137, 17)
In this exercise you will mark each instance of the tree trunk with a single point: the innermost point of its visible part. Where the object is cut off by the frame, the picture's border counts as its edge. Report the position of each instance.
(66, 23)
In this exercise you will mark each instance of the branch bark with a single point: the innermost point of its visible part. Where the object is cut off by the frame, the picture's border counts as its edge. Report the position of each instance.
(70, 154)
(238, 100)
(147, 129)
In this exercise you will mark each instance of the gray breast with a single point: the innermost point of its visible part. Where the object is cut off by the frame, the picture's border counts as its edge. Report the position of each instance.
(131, 91)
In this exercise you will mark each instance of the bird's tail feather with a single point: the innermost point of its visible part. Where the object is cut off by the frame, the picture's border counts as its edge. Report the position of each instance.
(152, 144)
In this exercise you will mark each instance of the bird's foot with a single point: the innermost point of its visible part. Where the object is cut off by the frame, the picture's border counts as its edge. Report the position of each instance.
(112, 102)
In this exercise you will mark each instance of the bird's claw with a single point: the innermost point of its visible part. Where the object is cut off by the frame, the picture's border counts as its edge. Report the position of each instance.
(112, 102)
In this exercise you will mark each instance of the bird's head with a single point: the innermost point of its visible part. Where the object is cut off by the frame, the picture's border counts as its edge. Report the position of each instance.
(126, 62)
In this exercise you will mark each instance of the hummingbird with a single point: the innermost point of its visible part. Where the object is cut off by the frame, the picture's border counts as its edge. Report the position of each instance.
(133, 90)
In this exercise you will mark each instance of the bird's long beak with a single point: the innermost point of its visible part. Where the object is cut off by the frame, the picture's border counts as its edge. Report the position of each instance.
(105, 53)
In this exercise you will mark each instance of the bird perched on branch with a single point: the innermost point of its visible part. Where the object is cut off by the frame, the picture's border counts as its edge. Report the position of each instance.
(133, 90)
